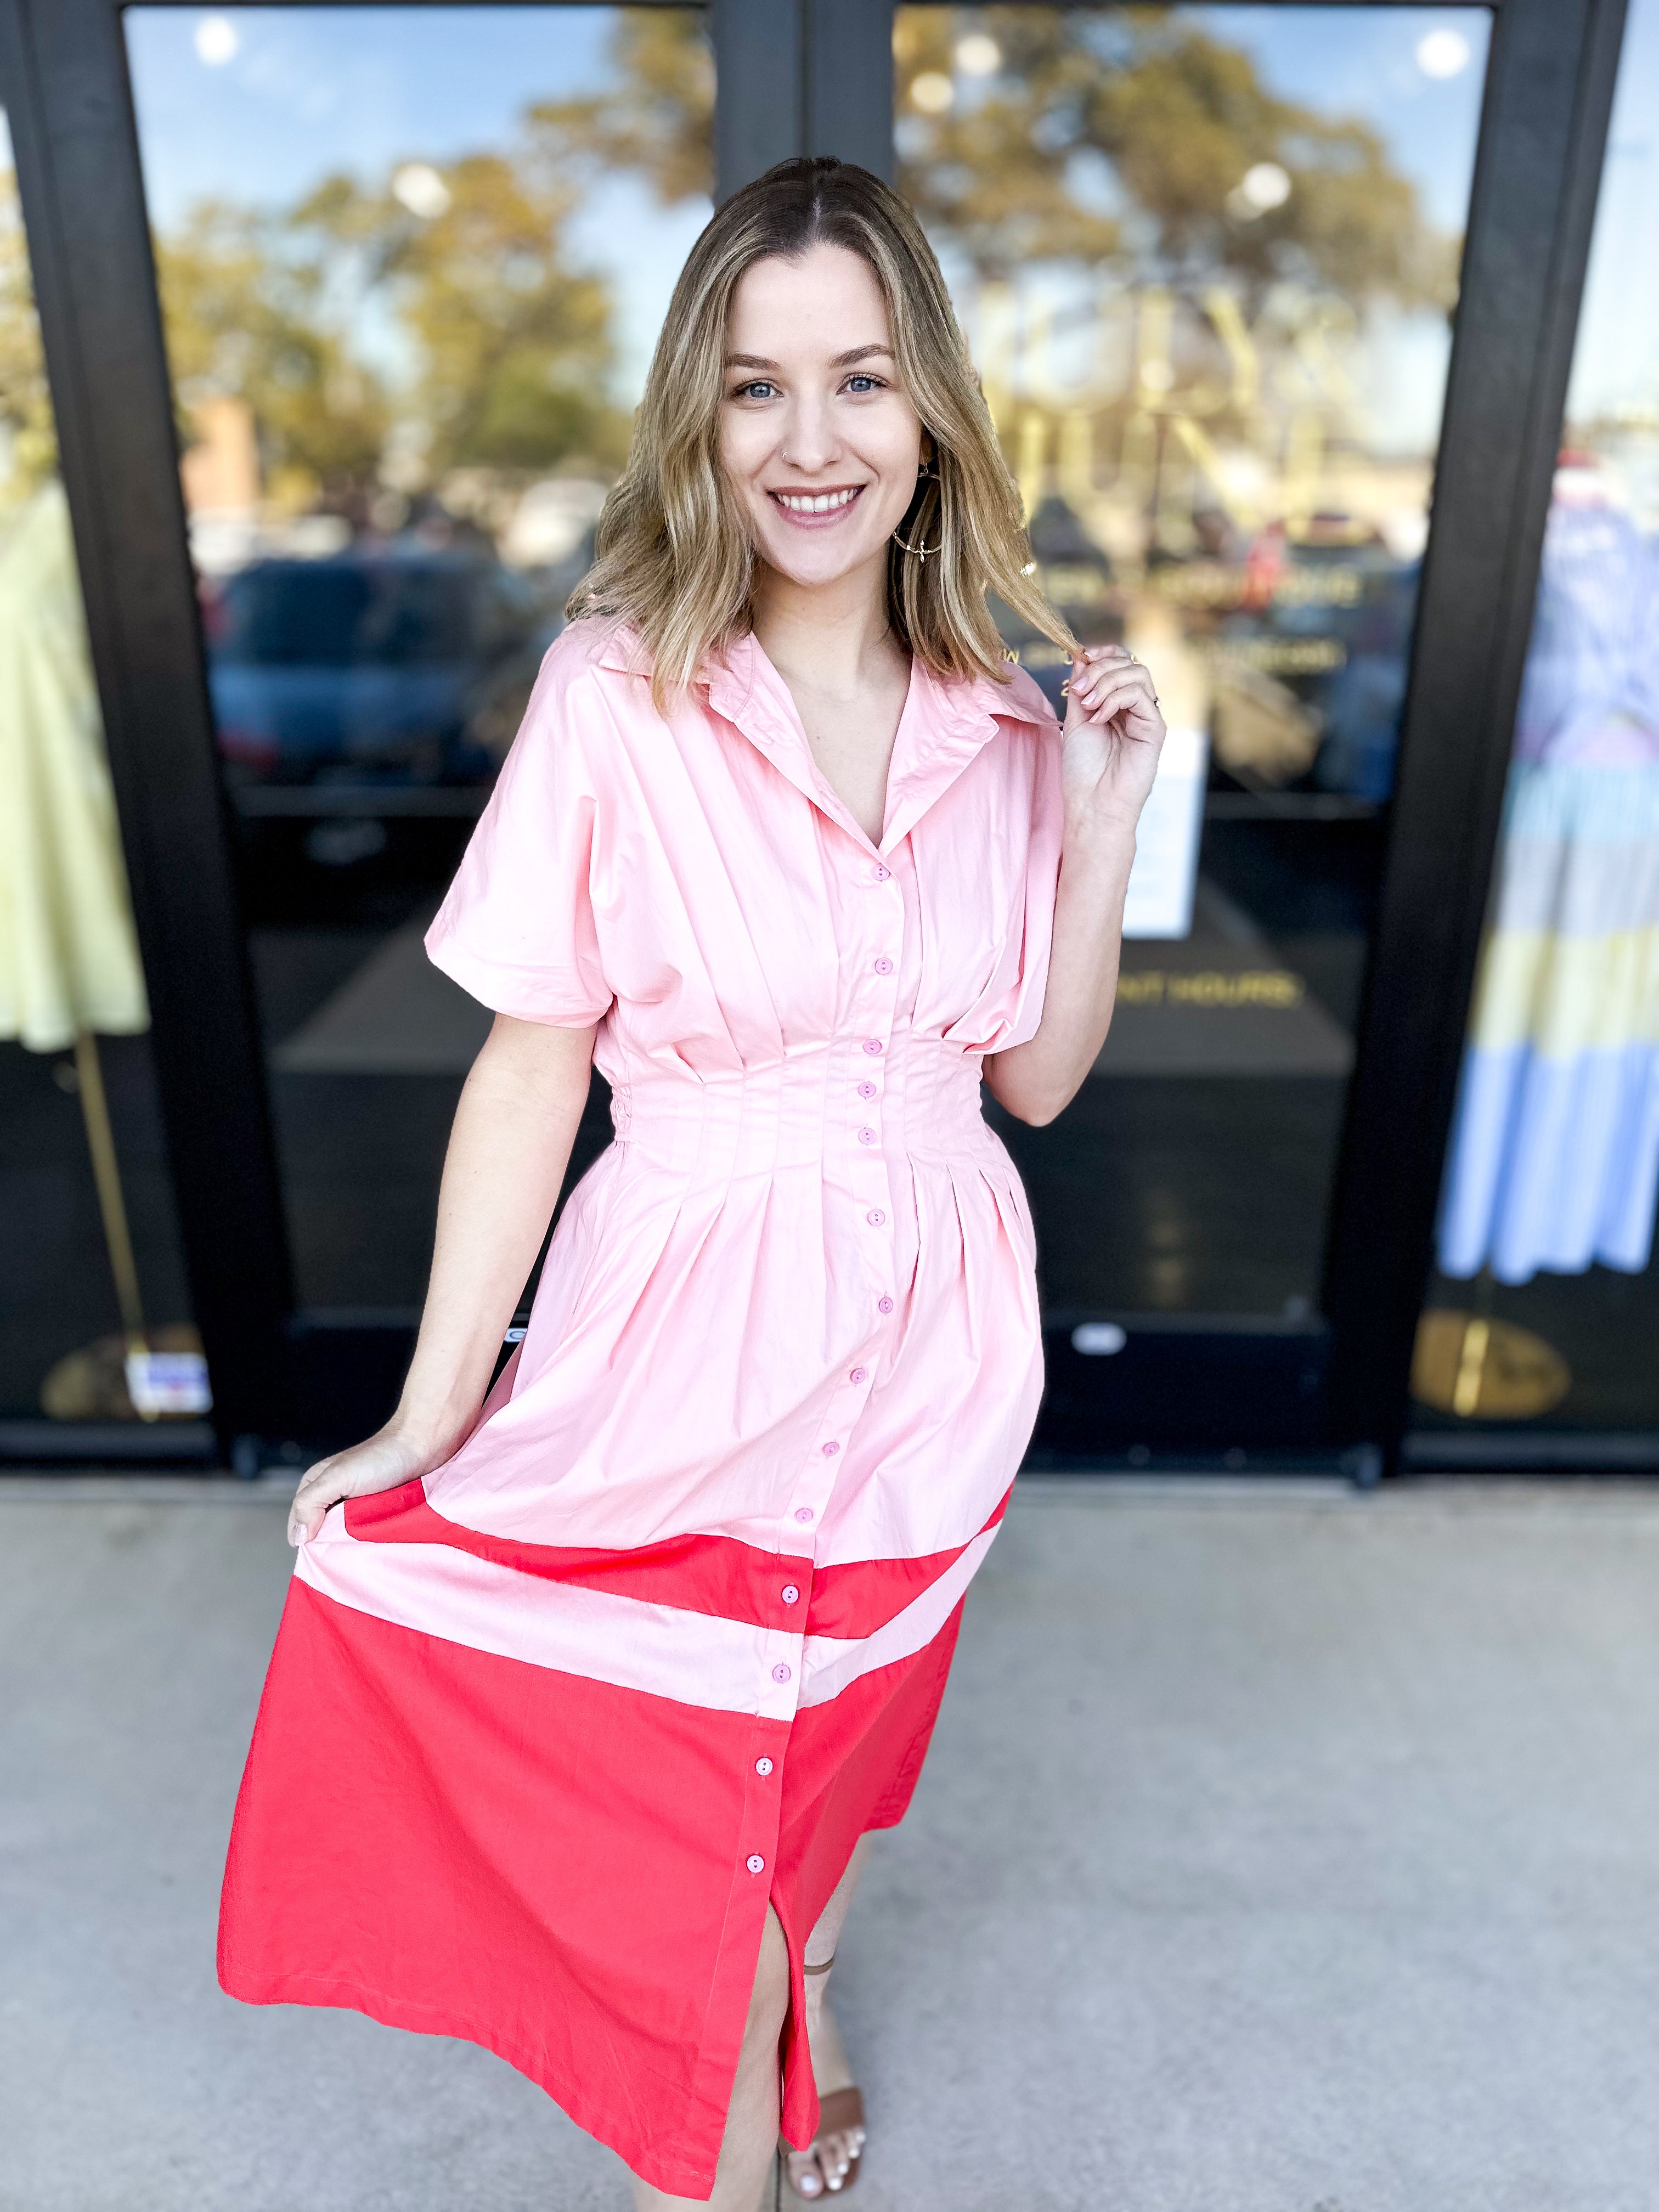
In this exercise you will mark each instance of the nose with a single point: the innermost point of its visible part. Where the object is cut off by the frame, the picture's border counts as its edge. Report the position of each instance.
(809, 443)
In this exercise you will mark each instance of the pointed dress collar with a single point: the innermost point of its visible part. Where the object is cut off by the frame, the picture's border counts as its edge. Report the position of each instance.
(942, 728)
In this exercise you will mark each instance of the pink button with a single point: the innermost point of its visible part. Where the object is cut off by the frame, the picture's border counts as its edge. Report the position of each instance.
(873, 1045)
(830, 1449)
(763, 1767)
(880, 873)
(789, 1594)
(875, 1217)
(867, 1136)
(867, 1090)
(803, 1513)
(883, 1306)
(780, 1672)
(884, 966)
(859, 1375)
(755, 1862)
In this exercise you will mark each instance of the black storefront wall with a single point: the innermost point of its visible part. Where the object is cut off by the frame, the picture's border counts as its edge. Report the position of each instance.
(816, 76)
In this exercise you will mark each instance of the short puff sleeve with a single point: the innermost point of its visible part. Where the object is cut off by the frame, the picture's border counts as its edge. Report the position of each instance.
(517, 929)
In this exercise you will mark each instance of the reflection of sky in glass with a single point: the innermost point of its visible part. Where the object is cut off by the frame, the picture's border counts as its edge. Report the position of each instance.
(1368, 63)
(1615, 369)
(1415, 75)
(1364, 62)
(310, 90)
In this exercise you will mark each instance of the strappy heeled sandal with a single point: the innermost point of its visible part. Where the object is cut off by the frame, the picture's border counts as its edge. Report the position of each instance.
(840, 2113)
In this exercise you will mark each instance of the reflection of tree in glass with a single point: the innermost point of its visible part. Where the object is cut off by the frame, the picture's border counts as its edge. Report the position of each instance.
(513, 346)
(510, 345)
(657, 122)
(1130, 132)
(245, 295)
(1093, 133)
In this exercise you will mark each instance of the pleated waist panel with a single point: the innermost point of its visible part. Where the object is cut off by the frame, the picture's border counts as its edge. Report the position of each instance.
(915, 1098)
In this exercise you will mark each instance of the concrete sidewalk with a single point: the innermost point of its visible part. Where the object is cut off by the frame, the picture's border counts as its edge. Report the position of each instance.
(1280, 1851)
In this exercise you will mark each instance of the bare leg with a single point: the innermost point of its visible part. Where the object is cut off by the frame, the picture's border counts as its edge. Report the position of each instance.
(752, 2122)
(821, 1943)
(824, 2168)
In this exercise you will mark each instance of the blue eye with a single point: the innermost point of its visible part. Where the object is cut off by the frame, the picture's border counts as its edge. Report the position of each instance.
(761, 389)
(868, 383)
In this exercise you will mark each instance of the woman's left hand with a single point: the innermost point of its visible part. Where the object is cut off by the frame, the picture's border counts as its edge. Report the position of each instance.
(1114, 733)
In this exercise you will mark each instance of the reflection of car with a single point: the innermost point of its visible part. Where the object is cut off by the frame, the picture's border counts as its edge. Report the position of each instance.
(382, 667)
(1327, 622)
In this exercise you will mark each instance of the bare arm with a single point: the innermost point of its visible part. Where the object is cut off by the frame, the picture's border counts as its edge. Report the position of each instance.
(507, 1153)
(1113, 735)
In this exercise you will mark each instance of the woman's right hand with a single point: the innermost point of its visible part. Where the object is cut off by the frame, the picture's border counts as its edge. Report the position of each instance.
(392, 1455)
(513, 1129)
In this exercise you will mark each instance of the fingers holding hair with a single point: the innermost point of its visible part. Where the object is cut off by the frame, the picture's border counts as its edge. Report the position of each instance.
(1104, 682)
(1092, 665)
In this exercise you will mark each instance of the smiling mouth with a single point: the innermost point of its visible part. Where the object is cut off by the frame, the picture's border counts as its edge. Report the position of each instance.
(816, 507)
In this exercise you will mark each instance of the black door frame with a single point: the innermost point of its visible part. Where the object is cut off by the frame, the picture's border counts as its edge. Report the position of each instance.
(810, 76)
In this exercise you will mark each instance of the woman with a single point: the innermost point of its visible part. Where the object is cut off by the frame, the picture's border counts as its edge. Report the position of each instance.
(582, 1702)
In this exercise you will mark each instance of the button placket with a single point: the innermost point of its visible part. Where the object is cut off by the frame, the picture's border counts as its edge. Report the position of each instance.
(874, 1001)
(782, 1642)
(781, 1651)
(878, 993)
(804, 1507)
(812, 1493)
(762, 1809)
(872, 961)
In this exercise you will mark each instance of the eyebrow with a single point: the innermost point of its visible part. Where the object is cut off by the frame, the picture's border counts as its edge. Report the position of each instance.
(842, 359)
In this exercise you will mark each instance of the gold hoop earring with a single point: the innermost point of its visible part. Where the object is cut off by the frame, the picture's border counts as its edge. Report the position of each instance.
(928, 473)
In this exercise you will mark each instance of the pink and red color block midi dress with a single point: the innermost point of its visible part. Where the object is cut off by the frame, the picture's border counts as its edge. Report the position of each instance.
(544, 1732)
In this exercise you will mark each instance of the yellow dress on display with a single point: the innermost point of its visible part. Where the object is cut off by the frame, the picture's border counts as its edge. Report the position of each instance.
(68, 953)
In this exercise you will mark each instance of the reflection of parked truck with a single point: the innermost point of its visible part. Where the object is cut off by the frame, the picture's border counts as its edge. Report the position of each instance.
(383, 668)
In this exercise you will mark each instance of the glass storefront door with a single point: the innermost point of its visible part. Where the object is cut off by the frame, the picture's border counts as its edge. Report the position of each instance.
(410, 259)
(411, 262)
(94, 1314)
(1542, 1327)
(1207, 257)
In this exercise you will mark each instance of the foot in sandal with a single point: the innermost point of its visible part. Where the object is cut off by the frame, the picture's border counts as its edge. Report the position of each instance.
(830, 2164)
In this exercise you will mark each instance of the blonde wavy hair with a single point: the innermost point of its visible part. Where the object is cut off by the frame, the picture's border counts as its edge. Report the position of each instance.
(673, 555)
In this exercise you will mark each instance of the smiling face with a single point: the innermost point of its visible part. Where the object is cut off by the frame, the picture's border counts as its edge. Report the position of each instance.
(819, 441)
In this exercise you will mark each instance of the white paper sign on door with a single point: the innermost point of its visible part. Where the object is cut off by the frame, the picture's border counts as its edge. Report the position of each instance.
(1161, 883)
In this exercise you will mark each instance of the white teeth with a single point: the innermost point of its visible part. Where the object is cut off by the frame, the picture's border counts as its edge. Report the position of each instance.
(817, 502)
